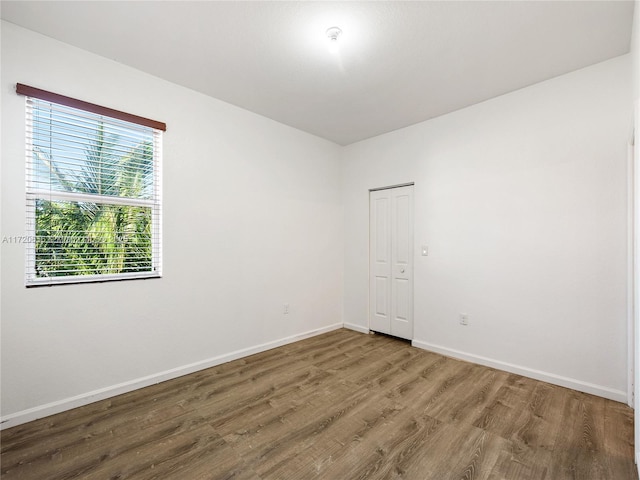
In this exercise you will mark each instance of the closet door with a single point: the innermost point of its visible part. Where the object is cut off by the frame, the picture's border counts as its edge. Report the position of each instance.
(391, 261)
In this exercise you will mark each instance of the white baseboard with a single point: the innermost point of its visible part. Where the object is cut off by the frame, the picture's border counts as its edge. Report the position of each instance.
(586, 387)
(52, 408)
(357, 328)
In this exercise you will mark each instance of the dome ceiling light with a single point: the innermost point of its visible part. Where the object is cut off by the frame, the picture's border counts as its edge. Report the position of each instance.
(332, 34)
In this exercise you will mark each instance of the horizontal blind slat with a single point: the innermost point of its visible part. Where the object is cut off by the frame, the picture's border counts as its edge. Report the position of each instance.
(76, 142)
(89, 198)
(84, 129)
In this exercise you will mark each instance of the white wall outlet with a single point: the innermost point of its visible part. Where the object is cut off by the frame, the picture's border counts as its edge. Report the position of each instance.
(425, 250)
(285, 309)
(464, 319)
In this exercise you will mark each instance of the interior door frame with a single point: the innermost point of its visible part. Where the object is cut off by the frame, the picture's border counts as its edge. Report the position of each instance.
(412, 219)
(633, 282)
(632, 272)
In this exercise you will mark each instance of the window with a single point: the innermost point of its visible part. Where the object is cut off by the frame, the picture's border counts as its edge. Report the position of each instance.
(92, 191)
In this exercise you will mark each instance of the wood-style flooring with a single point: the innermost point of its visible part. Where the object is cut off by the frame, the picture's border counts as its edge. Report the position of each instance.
(339, 406)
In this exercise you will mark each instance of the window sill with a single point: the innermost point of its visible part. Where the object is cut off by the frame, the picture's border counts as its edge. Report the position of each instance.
(51, 282)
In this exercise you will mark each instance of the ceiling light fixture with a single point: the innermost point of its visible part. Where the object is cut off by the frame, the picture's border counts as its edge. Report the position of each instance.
(333, 33)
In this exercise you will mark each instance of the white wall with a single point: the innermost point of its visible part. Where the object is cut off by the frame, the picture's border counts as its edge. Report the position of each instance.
(522, 202)
(635, 50)
(252, 220)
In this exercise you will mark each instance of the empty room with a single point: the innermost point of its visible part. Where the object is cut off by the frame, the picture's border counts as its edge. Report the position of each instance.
(285, 240)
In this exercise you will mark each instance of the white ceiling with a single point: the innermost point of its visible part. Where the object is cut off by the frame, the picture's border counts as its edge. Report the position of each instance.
(399, 63)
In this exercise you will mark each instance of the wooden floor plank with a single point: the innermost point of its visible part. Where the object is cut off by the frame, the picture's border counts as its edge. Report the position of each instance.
(618, 438)
(342, 405)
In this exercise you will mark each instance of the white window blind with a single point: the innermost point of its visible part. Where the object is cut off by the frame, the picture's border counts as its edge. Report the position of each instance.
(93, 193)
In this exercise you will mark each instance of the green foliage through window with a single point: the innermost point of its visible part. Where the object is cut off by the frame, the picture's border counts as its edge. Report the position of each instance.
(79, 238)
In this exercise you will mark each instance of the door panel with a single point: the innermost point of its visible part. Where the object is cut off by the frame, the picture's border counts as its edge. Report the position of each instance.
(382, 231)
(391, 261)
(401, 300)
(381, 292)
(380, 264)
(401, 224)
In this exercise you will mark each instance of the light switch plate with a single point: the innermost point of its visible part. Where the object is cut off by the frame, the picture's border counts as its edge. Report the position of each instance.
(425, 250)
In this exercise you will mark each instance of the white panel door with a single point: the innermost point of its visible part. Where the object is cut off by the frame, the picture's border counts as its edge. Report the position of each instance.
(391, 261)
(380, 261)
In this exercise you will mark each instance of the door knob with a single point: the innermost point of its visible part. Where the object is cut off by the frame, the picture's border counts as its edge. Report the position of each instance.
(402, 270)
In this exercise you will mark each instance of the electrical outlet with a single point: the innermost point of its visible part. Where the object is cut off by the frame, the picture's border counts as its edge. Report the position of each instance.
(464, 319)
(285, 310)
